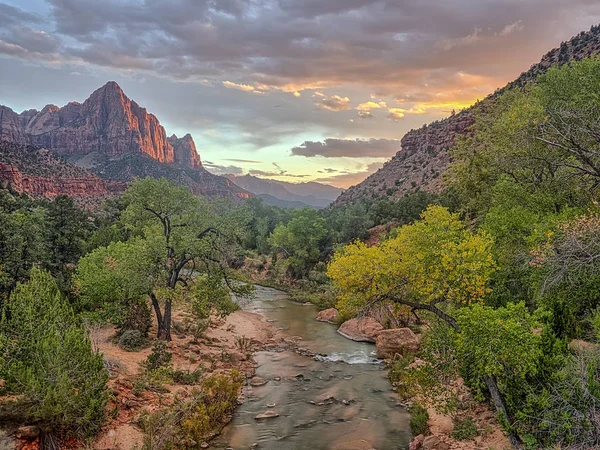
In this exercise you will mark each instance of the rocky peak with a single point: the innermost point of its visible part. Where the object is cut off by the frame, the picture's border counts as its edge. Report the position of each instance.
(185, 151)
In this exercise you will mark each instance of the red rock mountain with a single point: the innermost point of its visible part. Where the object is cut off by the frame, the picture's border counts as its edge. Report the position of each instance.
(424, 155)
(113, 138)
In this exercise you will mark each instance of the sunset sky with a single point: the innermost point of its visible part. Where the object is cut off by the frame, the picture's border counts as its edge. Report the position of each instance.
(296, 90)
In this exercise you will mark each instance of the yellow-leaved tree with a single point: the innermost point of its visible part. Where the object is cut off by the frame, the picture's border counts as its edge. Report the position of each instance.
(435, 261)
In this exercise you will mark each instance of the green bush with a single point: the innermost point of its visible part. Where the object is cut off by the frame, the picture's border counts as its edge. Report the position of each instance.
(47, 361)
(132, 340)
(187, 423)
(160, 356)
(186, 377)
(465, 429)
(418, 419)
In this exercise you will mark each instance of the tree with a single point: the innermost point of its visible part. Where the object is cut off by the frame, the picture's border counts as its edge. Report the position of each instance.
(496, 347)
(300, 241)
(431, 265)
(433, 262)
(118, 279)
(178, 235)
(47, 361)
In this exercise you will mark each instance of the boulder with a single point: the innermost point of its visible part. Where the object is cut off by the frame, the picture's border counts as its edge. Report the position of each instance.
(328, 315)
(431, 442)
(363, 329)
(269, 414)
(396, 341)
(257, 381)
(416, 443)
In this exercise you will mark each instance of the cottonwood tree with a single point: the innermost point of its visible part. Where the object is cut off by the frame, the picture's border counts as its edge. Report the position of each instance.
(178, 235)
(432, 265)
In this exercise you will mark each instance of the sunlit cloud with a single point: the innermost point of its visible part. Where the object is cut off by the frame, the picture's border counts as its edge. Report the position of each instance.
(367, 106)
(243, 87)
(331, 102)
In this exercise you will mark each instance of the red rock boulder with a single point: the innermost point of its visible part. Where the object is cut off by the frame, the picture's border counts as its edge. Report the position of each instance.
(328, 315)
(362, 329)
(396, 341)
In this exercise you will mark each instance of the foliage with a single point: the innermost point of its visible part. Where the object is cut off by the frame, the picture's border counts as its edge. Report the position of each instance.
(438, 368)
(497, 343)
(160, 356)
(187, 377)
(299, 241)
(187, 423)
(212, 295)
(118, 279)
(565, 412)
(47, 360)
(465, 429)
(132, 340)
(418, 419)
(434, 260)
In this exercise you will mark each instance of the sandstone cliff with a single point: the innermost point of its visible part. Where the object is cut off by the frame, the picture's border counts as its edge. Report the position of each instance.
(424, 155)
(111, 137)
(39, 173)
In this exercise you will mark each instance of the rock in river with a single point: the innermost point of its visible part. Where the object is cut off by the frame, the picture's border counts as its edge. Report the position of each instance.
(396, 341)
(362, 329)
(328, 315)
(269, 414)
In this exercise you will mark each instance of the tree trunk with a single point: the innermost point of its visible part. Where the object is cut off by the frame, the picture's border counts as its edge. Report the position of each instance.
(159, 316)
(167, 321)
(492, 386)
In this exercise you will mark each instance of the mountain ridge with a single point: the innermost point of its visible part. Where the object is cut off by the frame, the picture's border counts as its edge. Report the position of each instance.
(314, 194)
(424, 153)
(113, 138)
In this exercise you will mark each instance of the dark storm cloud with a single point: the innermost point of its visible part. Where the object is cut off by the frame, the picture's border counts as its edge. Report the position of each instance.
(356, 148)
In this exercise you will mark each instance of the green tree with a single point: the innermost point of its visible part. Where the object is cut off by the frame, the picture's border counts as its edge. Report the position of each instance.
(300, 240)
(178, 235)
(47, 361)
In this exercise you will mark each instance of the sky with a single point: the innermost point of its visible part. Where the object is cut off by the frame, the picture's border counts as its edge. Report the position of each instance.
(295, 90)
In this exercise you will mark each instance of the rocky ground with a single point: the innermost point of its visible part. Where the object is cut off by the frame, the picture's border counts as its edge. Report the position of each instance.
(216, 351)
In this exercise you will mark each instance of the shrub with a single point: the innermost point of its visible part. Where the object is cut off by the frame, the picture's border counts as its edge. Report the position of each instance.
(47, 361)
(465, 429)
(188, 422)
(160, 356)
(132, 340)
(186, 377)
(418, 419)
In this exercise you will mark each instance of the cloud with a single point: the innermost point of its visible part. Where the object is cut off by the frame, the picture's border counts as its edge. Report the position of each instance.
(218, 169)
(280, 173)
(345, 180)
(365, 115)
(349, 148)
(463, 41)
(512, 28)
(396, 113)
(242, 87)
(331, 103)
(252, 161)
(367, 106)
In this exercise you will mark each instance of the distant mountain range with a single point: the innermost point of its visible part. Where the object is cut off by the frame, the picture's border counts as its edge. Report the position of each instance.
(109, 138)
(423, 156)
(288, 195)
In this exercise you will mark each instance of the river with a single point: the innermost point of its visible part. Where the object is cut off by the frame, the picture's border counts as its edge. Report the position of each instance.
(341, 400)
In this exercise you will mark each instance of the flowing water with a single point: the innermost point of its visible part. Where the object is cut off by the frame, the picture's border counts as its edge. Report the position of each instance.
(339, 400)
